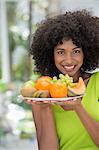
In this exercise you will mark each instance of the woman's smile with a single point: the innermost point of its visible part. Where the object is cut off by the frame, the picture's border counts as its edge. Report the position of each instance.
(69, 68)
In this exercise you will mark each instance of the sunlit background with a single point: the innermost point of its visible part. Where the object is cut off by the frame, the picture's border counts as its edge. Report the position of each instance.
(18, 22)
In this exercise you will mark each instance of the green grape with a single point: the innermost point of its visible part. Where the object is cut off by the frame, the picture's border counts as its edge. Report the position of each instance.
(68, 82)
(72, 84)
(55, 79)
(61, 76)
(63, 80)
(67, 76)
(71, 79)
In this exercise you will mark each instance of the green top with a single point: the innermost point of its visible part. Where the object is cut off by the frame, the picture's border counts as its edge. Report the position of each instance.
(71, 132)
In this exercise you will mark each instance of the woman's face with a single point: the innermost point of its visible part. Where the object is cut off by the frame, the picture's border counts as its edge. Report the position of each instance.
(68, 58)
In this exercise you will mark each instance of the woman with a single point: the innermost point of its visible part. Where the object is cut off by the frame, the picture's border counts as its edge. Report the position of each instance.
(68, 44)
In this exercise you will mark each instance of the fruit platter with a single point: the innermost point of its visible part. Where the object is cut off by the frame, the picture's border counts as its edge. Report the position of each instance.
(53, 89)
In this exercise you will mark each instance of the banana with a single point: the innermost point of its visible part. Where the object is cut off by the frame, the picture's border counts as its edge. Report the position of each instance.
(41, 94)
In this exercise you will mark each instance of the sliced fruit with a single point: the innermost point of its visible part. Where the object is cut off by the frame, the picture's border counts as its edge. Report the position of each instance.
(58, 89)
(43, 83)
(77, 89)
(41, 94)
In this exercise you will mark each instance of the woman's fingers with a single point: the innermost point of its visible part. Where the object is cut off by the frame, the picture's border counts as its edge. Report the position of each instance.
(32, 102)
(71, 102)
(28, 101)
(46, 102)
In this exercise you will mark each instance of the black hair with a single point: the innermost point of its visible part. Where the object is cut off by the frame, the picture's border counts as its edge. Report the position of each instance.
(80, 26)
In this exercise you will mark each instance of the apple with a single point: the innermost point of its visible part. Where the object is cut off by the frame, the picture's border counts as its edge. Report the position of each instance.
(30, 82)
(28, 89)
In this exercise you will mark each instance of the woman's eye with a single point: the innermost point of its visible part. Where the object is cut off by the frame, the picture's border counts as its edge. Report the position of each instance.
(60, 52)
(76, 51)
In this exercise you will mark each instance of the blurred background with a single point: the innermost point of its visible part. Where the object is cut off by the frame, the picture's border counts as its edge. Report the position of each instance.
(18, 22)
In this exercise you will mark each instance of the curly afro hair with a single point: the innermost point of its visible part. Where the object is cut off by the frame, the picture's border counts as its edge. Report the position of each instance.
(80, 26)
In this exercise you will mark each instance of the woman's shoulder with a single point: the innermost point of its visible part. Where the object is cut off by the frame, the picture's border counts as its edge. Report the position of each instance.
(95, 80)
(95, 75)
(92, 77)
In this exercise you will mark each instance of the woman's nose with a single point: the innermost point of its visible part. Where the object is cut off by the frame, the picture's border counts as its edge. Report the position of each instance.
(68, 59)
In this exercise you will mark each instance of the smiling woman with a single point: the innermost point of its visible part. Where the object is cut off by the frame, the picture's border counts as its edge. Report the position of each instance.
(68, 44)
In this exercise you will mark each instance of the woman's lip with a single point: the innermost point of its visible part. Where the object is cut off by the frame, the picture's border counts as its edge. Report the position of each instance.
(69, 68)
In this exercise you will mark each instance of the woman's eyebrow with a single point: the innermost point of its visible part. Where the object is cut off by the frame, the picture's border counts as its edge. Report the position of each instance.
(59, 49)
(75, 47)
(64, 48)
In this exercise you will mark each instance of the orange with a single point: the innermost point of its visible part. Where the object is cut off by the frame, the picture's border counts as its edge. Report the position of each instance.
(58, 90)
(43, 83)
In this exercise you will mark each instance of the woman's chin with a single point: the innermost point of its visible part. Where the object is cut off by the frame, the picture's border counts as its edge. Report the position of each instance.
(70, 73)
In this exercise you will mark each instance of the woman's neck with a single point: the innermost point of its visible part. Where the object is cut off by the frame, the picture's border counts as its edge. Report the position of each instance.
(76, 77)
(85, 76)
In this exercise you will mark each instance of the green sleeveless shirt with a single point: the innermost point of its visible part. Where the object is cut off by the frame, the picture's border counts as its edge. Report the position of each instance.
(71, 132)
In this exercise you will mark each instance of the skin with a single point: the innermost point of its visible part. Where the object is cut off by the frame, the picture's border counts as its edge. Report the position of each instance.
(45, 127)
(68, 59)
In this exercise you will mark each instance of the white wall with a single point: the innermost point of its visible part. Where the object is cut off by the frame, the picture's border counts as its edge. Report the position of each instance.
(92, 5)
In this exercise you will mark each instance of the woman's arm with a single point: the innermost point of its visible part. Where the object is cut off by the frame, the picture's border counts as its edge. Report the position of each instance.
(45, 127)
(90, 124)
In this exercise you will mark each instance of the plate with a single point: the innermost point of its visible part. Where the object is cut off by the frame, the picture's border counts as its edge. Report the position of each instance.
(51, 100)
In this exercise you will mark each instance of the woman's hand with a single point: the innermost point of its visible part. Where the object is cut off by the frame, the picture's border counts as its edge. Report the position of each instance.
(67, 105)
(37, 103)
(72, 104)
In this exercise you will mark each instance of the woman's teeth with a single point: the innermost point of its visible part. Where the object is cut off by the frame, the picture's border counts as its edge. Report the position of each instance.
(69, 68)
